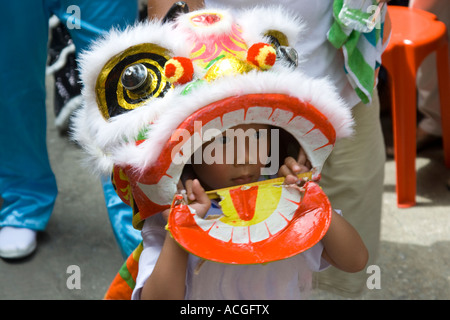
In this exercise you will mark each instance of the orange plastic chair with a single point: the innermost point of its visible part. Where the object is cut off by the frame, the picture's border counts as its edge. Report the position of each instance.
(415, 34)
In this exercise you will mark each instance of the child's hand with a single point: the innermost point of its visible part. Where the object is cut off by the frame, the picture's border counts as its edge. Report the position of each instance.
(291, 167)
(195, 193)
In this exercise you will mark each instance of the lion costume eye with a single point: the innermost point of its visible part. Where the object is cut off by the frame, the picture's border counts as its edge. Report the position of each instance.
(132, 78)
(284, 52)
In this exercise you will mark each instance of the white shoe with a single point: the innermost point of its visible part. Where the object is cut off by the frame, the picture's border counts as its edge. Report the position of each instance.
(17, 242)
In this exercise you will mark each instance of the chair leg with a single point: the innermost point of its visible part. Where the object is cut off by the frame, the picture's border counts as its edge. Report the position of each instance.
(444, 96)
(404, 116)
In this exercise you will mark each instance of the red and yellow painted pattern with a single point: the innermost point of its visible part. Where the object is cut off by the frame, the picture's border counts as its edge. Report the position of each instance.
(207, 49)
(179, 70)
(262, 55)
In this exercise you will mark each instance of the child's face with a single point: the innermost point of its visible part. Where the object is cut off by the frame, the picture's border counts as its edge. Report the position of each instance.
(245, 149)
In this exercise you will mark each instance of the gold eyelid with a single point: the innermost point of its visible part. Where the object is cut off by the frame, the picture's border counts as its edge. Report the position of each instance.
(109, 85)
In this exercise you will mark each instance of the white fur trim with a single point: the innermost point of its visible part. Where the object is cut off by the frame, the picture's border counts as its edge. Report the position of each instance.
(317, 92)
(255, 22)
(223, 26)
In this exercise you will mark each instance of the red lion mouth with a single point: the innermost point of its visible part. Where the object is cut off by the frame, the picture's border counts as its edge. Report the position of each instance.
(155, 187)
(305, 222)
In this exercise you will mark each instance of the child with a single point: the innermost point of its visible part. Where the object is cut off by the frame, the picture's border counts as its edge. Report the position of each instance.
(167, 271)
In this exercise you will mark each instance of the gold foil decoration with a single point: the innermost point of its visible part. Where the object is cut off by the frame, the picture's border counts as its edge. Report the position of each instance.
(227, 66)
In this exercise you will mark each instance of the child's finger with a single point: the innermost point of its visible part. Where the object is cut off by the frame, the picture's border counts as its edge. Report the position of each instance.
(301, 159)
(189, 191)
(303, 162)
(290, 179)
(202, 203)
(292, 164)
(199, 192)
(284, 171)
(180, 186)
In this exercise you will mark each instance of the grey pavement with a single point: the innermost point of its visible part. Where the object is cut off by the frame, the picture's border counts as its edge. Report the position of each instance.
(414, 255)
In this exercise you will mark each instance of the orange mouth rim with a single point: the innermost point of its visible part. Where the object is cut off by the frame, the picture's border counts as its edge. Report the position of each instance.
(309, 224)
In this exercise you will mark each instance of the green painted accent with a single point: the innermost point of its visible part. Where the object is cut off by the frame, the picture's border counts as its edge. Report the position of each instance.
(214, 61)
(126, 276)
(191, 86)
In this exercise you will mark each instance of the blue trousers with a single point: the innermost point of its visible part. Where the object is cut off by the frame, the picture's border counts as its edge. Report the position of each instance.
(27, 184)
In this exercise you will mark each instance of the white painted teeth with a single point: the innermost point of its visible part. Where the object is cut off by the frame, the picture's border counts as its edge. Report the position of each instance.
(314, 142)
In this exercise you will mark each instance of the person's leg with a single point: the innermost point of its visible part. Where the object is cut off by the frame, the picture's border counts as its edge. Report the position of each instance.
(97, 17)
(428, 103)
(27, 184)
(353, 179)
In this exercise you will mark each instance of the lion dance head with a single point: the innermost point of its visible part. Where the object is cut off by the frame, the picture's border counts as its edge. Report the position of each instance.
(153, 90)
